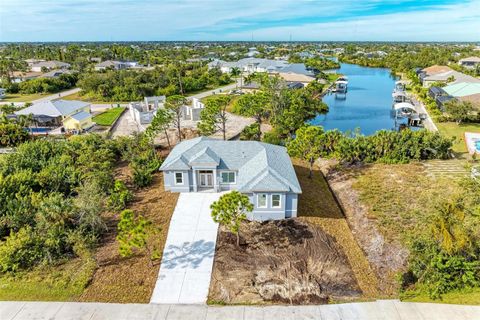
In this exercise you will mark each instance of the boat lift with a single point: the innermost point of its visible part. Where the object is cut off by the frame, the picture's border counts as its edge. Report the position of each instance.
(399, 97)
(406, 110)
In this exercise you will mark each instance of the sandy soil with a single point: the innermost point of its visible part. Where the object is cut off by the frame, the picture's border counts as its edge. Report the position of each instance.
(286, 261)
(131, 280)
(385, 257)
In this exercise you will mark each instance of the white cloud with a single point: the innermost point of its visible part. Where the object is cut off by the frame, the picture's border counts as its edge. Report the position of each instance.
(56, 20)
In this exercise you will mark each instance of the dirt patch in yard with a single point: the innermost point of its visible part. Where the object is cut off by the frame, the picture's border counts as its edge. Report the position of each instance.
(311, 259)
(131, 280)
(287, 261)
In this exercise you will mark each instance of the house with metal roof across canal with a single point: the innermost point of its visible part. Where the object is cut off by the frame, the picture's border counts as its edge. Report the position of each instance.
(259, 170)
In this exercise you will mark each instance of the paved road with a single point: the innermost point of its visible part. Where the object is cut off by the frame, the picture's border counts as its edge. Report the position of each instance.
(47, 98)
(57, 95)
(379, 310)
(187, 259)
(216, 90)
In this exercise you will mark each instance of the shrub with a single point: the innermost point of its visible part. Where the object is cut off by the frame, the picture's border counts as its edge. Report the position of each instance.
(143, 166)
(20, 250)
(12, 134)
(438, 272)
(136, 232)
(251, 132)
(119, 197)
(273, 137)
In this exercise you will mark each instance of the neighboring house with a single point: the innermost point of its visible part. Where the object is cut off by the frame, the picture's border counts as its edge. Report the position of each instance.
(462, 89)
(470, 62)
(192, 112)
(472, 98)
(295, 85)
(450, 77)
(31, 62)
(435, 69)
(305, 54)
(440, 96)
(298, 68)
(144, 111)
(249, 65)
(111, 64)
(252, 52)
(19, 76)
(3, 93)
(250, 87)
(55, 73)
(435, 92)
(296, 77)
(49, 65)
(259, 170)
(71, 114)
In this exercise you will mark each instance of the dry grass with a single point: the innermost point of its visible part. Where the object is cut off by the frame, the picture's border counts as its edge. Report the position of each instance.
(400, 197)
(318, 206)
(131, 280)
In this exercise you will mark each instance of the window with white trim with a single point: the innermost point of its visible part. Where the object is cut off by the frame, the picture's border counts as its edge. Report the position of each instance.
(228, 177)
(178, 177)
(262, 200)
(276, 201)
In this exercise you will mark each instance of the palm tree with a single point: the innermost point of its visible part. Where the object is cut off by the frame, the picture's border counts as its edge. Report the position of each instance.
(235, 72)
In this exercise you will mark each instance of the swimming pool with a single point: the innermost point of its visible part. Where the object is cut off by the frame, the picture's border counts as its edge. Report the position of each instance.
(477, 145)
(38, 130)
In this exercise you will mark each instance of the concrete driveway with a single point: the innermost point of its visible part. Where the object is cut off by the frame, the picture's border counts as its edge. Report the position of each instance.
(187, 261)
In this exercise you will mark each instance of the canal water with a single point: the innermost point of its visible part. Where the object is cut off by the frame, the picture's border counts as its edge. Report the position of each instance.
(367, 105)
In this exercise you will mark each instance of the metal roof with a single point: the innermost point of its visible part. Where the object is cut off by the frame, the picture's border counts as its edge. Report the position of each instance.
(261, 166)
(54, 108)
(462, 89)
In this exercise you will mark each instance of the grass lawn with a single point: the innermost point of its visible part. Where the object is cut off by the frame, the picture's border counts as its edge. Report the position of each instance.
(466, 296)
(108, 118)
(317, 205)
(18, 97)
(78, 96)
(333, 77)
(402, 199)
(63, 282)
(451, 129)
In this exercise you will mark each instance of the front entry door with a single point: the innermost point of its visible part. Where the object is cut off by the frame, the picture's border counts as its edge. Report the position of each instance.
(206, 179)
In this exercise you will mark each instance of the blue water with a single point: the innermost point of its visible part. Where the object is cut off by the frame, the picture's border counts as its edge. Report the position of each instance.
(477, 145)
(367, 104)
(37, 130)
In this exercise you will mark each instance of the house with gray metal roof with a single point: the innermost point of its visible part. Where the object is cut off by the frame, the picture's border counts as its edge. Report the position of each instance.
(470, 62)
(71, 114)
(259, 170)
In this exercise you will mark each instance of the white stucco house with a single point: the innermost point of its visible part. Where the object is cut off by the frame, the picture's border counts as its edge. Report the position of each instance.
(142, 112)
(259, 170)
(49, 65)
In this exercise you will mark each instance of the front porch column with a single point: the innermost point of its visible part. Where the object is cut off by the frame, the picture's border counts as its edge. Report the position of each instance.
(215, 187)
(194, 177)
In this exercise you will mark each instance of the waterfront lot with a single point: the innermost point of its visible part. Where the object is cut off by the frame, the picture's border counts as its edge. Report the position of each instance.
(387, 206)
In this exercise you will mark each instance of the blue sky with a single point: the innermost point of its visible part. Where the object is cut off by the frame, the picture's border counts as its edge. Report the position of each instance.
(350, 20)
